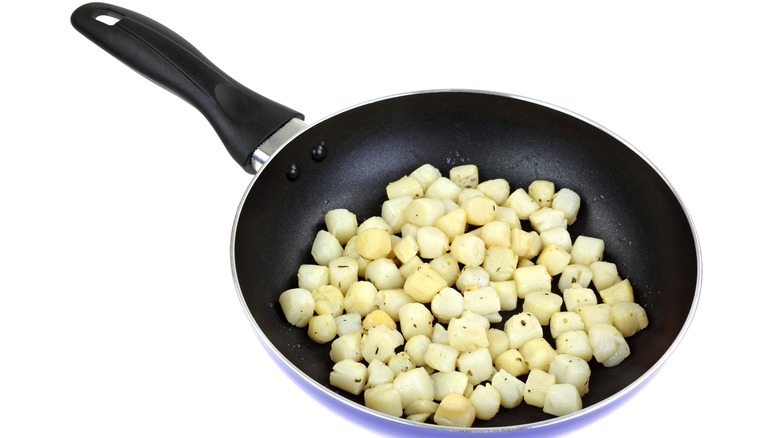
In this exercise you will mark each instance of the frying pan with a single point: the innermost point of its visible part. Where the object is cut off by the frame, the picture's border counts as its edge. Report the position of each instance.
(344, 161)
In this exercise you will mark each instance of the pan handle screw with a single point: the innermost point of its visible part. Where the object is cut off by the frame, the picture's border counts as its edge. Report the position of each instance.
(293, 172)
(318, 152)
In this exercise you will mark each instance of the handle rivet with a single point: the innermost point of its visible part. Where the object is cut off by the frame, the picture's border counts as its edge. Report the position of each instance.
(293, 172)
(318, 152)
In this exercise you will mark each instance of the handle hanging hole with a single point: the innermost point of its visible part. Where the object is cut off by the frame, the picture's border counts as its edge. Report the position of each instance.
(108, 18)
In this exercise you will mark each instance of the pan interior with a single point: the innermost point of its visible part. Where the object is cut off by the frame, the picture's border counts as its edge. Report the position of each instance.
(624, 201)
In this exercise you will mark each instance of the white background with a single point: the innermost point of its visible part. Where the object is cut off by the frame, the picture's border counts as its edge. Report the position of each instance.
(118, 315)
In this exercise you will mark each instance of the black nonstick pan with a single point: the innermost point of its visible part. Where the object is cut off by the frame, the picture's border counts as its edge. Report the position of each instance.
(345, 161)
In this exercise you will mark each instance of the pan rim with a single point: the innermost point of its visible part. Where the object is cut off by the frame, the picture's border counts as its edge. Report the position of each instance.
(621, 395)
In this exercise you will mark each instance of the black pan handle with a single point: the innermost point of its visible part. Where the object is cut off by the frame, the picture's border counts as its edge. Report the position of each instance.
(242, 118)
